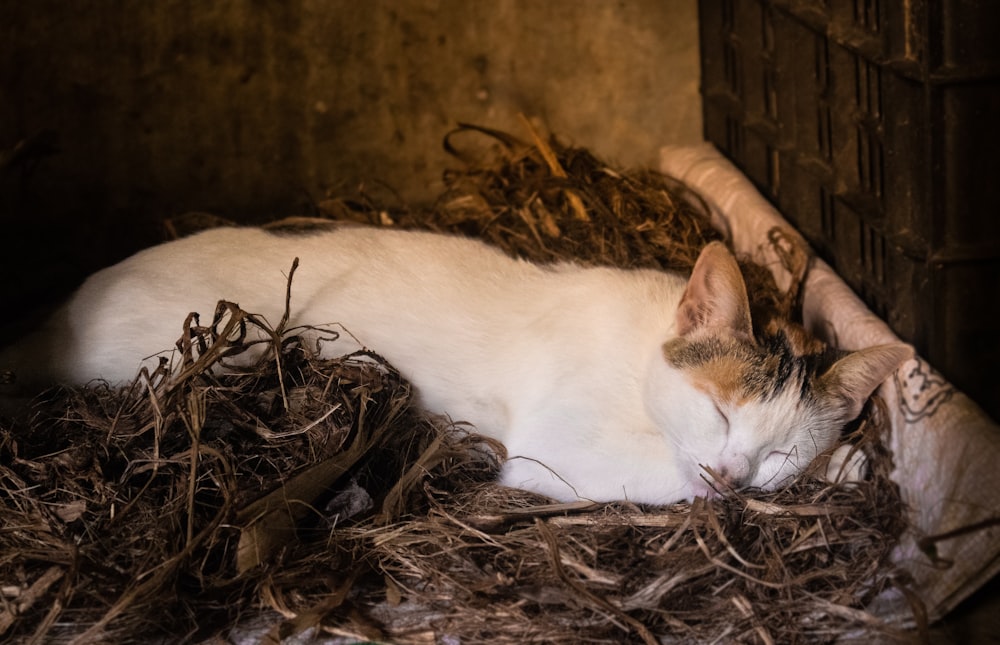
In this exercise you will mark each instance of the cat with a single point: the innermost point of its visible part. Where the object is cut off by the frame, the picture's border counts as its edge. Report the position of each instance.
(602, 383)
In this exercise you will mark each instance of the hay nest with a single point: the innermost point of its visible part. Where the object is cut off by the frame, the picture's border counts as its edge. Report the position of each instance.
(308, 496)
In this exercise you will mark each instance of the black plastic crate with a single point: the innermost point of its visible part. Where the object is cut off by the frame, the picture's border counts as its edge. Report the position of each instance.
(874, 127)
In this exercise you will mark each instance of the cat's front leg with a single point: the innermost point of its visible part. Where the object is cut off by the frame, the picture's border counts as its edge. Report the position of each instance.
(528, 473)
(847, 464)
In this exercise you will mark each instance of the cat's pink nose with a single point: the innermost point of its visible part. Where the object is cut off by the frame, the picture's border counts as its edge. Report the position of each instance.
(735, 472)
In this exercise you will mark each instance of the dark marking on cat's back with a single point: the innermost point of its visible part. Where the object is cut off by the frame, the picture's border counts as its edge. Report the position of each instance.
(304, 226)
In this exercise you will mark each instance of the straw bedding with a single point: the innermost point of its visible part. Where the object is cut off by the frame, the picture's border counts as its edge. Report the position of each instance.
(310, 494)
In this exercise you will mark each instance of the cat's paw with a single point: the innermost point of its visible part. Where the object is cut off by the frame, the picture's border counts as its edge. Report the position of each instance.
(847, 464)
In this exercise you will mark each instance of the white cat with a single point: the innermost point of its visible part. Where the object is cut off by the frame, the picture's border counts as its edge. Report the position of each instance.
(602, 383)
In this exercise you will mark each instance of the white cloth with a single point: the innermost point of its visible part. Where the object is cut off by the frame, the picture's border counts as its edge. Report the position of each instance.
(946, 451)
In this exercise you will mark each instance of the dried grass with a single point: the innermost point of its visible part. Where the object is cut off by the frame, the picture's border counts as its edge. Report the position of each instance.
(197, 498)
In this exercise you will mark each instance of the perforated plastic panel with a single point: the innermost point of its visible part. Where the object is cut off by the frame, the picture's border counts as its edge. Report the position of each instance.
(873, 127)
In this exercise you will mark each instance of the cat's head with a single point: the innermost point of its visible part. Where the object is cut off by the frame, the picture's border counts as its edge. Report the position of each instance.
(756, 410)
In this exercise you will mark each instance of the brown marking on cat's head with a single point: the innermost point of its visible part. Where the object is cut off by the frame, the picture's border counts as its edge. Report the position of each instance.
(799, 340)
(734, 370)
(718, 366)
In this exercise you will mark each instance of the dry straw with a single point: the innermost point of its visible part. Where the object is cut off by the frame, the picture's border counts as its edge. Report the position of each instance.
(312, 491)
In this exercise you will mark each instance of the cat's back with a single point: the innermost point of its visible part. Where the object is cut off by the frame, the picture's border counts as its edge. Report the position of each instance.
(359, 276)
(421, 298)
(241, 262)
(350, 269)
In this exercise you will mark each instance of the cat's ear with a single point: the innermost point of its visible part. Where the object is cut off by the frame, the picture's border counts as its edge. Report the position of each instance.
(716, 296)
(853, 378)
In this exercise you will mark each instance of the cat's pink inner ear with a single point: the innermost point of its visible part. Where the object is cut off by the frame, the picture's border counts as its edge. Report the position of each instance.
(716, 296)
(856, 376)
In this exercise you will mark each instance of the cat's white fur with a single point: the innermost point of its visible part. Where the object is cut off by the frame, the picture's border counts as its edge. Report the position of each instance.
(569, 367)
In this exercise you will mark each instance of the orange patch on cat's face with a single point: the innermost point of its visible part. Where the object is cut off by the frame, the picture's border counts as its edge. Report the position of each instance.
(724, 379)
(730, 371)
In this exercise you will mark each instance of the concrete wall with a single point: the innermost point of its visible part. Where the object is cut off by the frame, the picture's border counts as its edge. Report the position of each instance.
(249, 109)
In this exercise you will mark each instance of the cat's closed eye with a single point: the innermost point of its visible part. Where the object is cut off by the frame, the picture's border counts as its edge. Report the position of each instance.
(723, 416)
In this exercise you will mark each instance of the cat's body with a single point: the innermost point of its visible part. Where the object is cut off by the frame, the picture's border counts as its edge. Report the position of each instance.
(602, 383)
